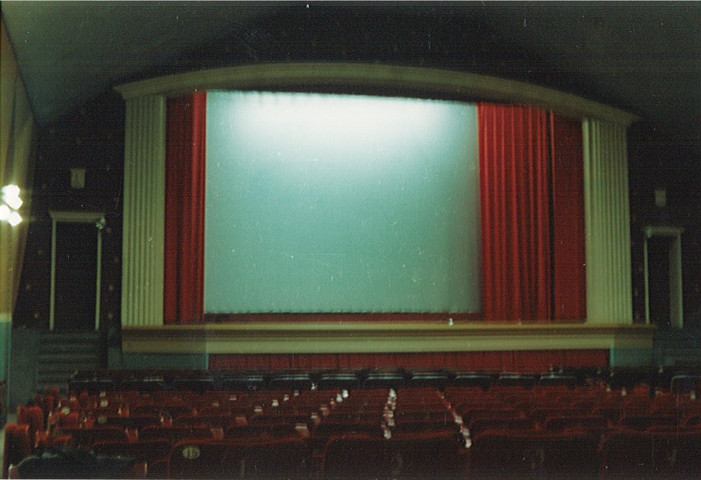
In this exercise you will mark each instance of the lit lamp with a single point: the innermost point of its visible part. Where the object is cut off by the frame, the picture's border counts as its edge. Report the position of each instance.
(10, 204)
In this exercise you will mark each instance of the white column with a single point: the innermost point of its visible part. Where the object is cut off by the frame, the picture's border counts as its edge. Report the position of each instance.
(144, 206)
(607, 223)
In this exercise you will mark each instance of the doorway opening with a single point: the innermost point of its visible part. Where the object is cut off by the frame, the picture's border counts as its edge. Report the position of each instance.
(76, 258)
(663, 277)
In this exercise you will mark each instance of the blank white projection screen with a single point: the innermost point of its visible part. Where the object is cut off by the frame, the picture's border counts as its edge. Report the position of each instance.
(340, 203)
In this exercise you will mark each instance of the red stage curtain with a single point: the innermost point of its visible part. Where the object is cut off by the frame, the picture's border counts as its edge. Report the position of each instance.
(515, 213)
(183, 296)
(569, 269)
(501, 361)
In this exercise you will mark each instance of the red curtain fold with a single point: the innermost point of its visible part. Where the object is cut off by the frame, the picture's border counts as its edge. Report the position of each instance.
(569, 260)
(532, 215)
(526, 361)
(183, 296)
(515, 213)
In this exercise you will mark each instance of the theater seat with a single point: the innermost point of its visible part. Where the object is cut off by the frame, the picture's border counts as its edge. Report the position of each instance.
(557, 379)
(659, 454)
(592, 424)
(238, 459)
(176, 433)
(144, 384)
(643, 422)
(357, 456)
(339, 380)
(222, 420)
(242, 382)
(429, 378)
(205, 459)
(197, 385)
(32, 416)
(276, 458)
(77, 463)
(473, 379)
(533, 454)
(84, 437)
(290, 381)
(136, 422)
(262, 430)
(483, 424)
(683, 383)
(157, 410)
(17, 445)
(12, 472)
(93, 386)
(540, 413)
(330, 428)
(515, 380)
(437, 454)
(141, 450)
(384, 379)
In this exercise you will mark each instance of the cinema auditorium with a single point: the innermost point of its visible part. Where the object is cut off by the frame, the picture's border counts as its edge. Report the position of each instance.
(377, 241)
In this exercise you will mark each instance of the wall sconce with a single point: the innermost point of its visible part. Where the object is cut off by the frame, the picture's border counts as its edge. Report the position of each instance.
(660, 197)
(10, 204)
(77, 178)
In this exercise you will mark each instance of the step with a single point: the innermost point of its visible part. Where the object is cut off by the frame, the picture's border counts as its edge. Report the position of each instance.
(683, 361)
(76, 358)
(674, 333)
(78, 348)
(672, 342)
(61, 354)
(59, 378)
(69, 337)
(60, 374)
(681, 357)
(49, 359)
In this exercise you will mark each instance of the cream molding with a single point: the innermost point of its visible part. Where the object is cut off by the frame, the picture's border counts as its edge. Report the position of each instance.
(381, 338)
(663, 231)
(409, 80)
(75, 216)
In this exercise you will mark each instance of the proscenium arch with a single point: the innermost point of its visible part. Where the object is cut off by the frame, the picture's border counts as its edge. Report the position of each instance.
(142, 291)
(376, 79)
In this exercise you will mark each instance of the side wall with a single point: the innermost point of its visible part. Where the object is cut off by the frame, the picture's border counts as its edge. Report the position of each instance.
(17, 145)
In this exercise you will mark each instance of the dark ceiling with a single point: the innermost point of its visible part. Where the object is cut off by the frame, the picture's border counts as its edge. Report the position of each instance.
(643, 57)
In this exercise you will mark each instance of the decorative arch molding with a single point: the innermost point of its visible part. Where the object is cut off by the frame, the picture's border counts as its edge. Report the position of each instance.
(368, 78)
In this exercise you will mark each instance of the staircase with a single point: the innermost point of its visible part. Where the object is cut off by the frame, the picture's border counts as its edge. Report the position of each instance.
(62, 353)
(677, 348)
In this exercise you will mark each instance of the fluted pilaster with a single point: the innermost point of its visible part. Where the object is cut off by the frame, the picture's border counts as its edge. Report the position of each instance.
(144, 203)
(607, 223)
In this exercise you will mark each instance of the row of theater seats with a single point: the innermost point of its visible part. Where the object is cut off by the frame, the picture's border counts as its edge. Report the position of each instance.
(497, 454)
(509, 429)
(94, 381)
